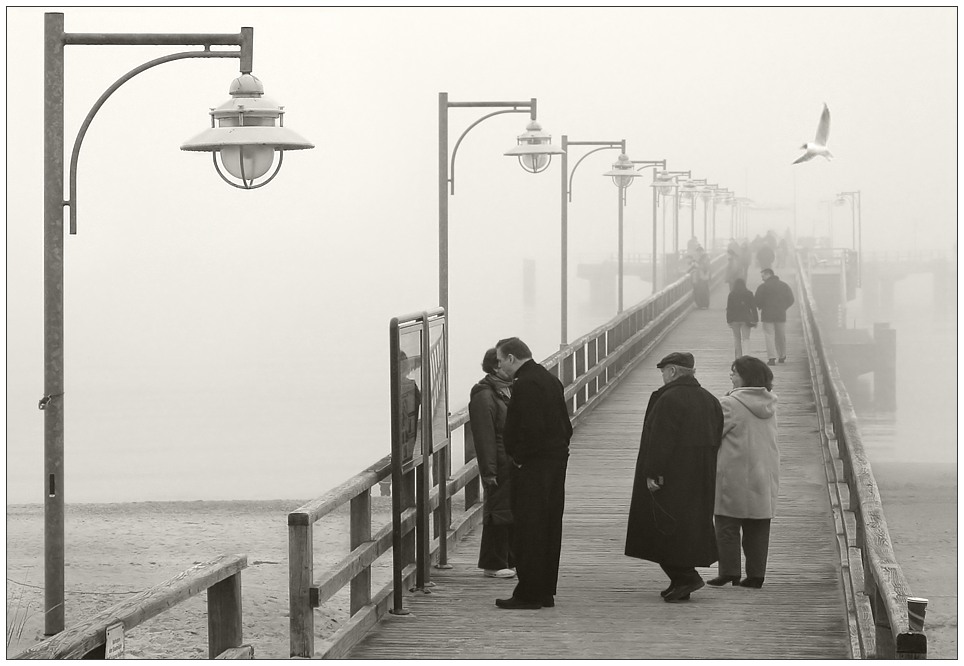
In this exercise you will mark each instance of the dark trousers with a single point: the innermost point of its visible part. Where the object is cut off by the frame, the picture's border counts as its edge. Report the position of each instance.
(496, 549)
(678, 575)
(756, 544)
(538, 502)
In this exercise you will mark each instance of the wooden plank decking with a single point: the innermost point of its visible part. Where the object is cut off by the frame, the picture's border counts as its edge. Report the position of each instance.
(608, 605)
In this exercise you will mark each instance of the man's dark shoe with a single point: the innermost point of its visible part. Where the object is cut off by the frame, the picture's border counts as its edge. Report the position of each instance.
(548, 601)
(683, 590)
(720, 581)
(772, 361)
(514, 603)
(782, 359)
(663, 593)
(752, 582)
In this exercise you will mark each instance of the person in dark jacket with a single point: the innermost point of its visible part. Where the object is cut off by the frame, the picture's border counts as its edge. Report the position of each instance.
(740, 314)
(488, 403)
(536, 436)
(773, 298)
(671, 512)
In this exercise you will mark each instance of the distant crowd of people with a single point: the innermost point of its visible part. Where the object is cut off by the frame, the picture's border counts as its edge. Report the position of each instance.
(708, 471)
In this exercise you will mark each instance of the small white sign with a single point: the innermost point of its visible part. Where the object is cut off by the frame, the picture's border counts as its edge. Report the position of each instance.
(114, 649)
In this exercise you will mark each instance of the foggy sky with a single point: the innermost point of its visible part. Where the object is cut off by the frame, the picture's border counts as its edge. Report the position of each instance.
(249, 329)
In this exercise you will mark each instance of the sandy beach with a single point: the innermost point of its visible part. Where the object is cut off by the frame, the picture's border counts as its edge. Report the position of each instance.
(114, 550)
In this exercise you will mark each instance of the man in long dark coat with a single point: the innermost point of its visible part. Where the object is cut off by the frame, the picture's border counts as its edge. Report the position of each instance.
(671, 514)
(536, 436)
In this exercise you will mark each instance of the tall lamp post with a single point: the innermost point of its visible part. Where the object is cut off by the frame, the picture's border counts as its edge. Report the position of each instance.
(644, 165)
(623, 174)
(534, 151)
(707, 194)
(246, 142)
(567, 176)
(667, 184)
(856, 227)
(689, 190)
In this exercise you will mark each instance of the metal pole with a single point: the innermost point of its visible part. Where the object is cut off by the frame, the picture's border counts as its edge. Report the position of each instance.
(860, 229)
(53, 400)
(564, 245)
(443, 201)
(676, 220)
(655, 204)
(620, 192)
(706, 228)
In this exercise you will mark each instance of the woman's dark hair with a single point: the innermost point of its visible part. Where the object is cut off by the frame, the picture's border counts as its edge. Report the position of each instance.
(490, 361)
(739, 284)
(753, 372)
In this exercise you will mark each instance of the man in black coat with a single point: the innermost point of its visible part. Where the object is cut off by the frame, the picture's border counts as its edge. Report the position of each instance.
(671, 513)
(773, 298)
(536, 436)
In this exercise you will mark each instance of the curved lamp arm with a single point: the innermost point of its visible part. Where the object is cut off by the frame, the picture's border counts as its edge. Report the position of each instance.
(467, 130)
(75, 153)
(572, 172)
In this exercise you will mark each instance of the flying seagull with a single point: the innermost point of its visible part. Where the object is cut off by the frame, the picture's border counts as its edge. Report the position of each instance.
(819, 145)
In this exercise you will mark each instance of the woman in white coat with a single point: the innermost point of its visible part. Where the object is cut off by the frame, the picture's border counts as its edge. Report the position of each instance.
(747, 473)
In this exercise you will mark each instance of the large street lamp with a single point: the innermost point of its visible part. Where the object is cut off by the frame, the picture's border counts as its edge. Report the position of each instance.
(245, 148)
(567, 176)
(645, 164)
(623, 174)
(534, 150)
(856, 227)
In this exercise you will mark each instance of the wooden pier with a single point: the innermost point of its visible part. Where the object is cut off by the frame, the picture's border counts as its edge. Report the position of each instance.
(608, 606)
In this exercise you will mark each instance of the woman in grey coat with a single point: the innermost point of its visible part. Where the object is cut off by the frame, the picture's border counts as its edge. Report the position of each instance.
(747, 473)
(488, 402)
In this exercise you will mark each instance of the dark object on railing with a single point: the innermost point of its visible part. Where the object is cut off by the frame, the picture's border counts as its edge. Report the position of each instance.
(874, 585)
(221, 577)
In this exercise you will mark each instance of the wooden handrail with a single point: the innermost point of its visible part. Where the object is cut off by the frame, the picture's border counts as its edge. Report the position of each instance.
(590, 367)
(884, 586)
(221, 577)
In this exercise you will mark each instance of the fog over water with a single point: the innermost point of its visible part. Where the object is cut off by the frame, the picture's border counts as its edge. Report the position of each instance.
(234, 345)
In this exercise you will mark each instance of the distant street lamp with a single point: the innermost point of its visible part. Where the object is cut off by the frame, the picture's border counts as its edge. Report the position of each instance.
(690, 189)
(567, 176)
(856, 227)
(623, 173)
(662, 165)
(707, 194)
(246, 148)
(534, 150)
(667, 184)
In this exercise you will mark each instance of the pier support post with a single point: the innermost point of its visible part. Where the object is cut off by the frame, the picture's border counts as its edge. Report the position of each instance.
(885, 366)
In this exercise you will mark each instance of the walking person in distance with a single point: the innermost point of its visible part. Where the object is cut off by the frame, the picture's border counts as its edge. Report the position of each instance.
(747, 473)
(671, 512)
(536, 436)
(773, 298)
(740, 314)
(488, 405)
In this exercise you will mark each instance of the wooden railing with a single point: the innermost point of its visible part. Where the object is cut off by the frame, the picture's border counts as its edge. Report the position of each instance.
(874, 586)
(589, 368)
(221, 577)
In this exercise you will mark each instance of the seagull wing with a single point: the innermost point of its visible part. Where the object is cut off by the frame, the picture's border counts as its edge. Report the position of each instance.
(803, 158)
(823, 128)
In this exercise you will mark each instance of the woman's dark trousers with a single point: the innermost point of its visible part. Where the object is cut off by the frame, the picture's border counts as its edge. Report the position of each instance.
(756, 544)
(538, 502)
(496, 549)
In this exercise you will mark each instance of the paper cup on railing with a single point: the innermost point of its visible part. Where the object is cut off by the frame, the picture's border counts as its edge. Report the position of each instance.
(916, 608)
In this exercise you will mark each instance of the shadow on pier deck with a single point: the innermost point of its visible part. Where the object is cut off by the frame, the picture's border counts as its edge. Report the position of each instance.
(608, 605)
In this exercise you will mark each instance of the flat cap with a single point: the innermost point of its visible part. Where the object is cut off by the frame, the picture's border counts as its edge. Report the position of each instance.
(682, 359)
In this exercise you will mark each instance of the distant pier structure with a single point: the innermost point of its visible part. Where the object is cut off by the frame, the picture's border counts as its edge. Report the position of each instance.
(835, 275)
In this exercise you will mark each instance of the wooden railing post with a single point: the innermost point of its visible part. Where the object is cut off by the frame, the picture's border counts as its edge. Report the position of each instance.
(224, 616)
(360, 531)
(301, 620)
